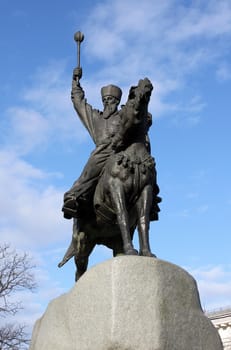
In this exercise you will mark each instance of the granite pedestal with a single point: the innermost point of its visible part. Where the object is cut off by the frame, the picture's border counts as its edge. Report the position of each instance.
(128, 303)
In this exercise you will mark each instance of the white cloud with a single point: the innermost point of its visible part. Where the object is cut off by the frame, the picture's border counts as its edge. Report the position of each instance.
(157, 39)
(192, 195)
(214, 286)
(210, 273)
(30, 207)
(49, 93)
(44, 115)
(162, 40)
(35, 303)
(145, 22)
(203, 208)
(209, 20)
(166, 41)
(27, 129)
(223, 72)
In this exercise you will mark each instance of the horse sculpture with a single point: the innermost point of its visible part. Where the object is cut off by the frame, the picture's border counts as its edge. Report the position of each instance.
(126, 194)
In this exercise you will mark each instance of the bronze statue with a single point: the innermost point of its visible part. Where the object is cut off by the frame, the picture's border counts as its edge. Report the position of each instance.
(117, 190)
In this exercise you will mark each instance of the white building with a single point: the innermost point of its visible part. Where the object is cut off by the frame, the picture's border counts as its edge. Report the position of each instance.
(222, 322)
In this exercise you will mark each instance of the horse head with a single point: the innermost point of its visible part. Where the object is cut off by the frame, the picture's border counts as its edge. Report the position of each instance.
(141, 93)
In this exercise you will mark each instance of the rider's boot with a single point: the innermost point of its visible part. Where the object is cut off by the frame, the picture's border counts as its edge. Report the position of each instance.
(70, 206)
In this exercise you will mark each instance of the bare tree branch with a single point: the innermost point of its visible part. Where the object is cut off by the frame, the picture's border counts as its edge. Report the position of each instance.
(15, 275)
(13, 337)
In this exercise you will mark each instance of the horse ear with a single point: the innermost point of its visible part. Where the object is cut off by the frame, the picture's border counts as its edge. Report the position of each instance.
(131, 94)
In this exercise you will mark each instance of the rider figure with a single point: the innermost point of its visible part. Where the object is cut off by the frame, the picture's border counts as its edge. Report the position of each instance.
(106, 130)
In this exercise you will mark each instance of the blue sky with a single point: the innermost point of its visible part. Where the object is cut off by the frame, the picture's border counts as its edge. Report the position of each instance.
(184, 48)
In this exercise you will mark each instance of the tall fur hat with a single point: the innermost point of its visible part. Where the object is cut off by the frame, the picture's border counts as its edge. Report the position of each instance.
(111, 90)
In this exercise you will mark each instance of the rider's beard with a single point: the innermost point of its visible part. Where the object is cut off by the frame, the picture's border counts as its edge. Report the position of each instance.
(109, 110)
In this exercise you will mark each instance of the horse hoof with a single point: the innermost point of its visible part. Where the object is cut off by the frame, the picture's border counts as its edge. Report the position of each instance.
(147, 253)
(131, 251)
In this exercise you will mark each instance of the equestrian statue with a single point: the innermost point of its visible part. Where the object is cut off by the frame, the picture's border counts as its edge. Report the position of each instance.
(117, 191)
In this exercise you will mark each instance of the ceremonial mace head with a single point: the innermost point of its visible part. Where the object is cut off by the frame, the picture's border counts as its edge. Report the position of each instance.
(78, 38)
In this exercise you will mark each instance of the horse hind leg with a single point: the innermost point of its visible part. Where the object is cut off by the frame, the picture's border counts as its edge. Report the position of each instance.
(143, 209)
(143, 229)
(81, 264)
(85, 247)
(119, 203)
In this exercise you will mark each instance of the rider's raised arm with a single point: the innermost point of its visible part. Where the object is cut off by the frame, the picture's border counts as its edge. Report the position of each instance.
(83, 109)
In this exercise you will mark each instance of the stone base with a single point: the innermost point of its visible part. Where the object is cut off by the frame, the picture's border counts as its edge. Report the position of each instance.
(128, 303)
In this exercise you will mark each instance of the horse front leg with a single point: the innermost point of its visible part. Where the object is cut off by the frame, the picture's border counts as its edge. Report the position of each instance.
(143, 210)
(119, 204)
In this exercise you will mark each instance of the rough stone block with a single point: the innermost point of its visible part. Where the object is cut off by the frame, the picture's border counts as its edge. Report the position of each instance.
(128, 303)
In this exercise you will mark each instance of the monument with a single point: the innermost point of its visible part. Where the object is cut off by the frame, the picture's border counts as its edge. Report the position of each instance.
(133, 301)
